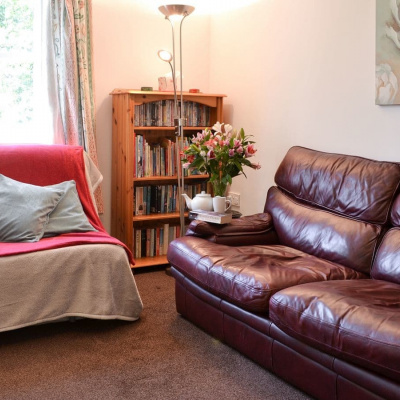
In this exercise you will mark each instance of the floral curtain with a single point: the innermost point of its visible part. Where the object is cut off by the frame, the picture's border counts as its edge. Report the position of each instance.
(72, 39)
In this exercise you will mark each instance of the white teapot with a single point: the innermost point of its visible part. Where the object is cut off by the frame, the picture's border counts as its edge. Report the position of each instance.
(202, 201)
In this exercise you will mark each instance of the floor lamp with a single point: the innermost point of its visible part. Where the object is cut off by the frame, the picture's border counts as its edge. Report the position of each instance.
(177, 12)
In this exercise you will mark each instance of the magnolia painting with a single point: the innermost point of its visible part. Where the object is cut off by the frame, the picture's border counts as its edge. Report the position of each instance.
(387, 70)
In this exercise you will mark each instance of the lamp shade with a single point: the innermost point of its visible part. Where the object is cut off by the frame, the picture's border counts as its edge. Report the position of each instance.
(176, 9)
(165, 55)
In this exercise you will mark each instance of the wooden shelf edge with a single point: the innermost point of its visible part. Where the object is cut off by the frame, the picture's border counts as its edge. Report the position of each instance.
(168, 178)
(150, 261)
(164, 93)
(168, 128)
(158, 216)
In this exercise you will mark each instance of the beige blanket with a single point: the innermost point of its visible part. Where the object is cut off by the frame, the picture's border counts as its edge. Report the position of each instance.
(93, 281)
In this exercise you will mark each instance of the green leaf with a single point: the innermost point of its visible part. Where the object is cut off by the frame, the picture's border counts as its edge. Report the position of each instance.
(198, 162)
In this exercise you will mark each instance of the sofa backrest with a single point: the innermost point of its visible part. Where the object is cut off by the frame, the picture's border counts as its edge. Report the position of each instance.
(395, 212)
(348, 185)
(387, 261)
(333, 206)
(44, 165)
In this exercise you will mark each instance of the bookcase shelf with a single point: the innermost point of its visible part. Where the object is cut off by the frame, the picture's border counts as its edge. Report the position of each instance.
(155, 109)
(157, 217)
(150, 261)
(168, 128)
(166, 179)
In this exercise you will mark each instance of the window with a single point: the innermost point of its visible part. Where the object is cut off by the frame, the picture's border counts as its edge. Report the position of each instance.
(24, 115)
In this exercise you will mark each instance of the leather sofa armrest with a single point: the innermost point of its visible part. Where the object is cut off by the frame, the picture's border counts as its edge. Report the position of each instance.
(249, 230)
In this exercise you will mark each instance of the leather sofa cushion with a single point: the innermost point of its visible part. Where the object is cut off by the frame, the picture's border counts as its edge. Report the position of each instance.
(247, 276)
(387, 261)
(344, 184)
(356, 321)
(395, 212)
(247, 230)
(322, 233)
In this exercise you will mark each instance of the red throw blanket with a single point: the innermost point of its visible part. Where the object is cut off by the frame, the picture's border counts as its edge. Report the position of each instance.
(44, 165)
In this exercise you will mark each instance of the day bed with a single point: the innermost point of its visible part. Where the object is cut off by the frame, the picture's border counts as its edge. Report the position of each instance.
(310, 288)
(56, 259)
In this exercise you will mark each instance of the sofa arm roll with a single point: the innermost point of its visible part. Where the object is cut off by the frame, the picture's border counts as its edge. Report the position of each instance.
(249, 230)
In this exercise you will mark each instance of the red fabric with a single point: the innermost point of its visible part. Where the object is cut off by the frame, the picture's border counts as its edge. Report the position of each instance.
(45, 165)
(65, 240)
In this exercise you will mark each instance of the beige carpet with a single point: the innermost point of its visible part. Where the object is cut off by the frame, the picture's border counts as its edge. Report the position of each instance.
(161, 356)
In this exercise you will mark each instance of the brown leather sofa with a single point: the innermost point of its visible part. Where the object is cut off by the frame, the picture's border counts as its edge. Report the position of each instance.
(309, 289)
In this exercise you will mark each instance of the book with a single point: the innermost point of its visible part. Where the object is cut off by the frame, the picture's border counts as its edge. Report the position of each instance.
(163, 200)
(139, 206)
(145, 206)
(158, 198)
(148, 199)
(153, 200)
(166, 238)
(161, 244)
(143, 243)
(157, 245)
(138, 241)
(211, 216)
(148, 241)
(152, 242)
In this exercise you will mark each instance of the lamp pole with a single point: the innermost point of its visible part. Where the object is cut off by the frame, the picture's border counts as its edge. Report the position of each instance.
(177, 12)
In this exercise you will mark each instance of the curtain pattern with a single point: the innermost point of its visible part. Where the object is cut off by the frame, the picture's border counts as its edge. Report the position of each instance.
(72, 33)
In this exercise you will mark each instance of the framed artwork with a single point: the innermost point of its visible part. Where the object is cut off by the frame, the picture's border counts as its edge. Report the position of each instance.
(387, 68)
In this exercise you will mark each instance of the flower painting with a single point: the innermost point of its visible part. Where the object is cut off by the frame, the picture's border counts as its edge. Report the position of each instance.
(387, 69)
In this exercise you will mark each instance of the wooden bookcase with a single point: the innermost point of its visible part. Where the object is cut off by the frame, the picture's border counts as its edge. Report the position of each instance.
(124, 181)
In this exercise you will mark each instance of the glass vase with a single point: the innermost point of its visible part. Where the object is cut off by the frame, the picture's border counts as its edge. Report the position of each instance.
(219, 188)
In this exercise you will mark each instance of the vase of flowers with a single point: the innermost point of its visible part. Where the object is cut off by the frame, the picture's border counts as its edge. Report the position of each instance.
(221, 152)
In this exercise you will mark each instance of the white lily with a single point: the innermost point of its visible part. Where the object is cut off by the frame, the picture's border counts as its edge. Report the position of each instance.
(218, 127)
(228, 128)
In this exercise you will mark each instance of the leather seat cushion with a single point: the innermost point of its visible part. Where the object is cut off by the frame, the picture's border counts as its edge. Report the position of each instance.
(357, 321)
(249, 275)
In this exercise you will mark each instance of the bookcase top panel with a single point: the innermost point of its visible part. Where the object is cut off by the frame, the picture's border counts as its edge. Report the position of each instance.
(158, 93)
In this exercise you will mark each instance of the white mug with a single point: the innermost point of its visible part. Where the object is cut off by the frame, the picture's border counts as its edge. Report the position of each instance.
(221, 204)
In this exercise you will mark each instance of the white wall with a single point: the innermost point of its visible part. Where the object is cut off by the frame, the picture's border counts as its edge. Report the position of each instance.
(296, 72)
(127, 35)
(301, 72)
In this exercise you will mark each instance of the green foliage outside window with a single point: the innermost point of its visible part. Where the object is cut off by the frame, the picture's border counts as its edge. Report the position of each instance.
(16, 61)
